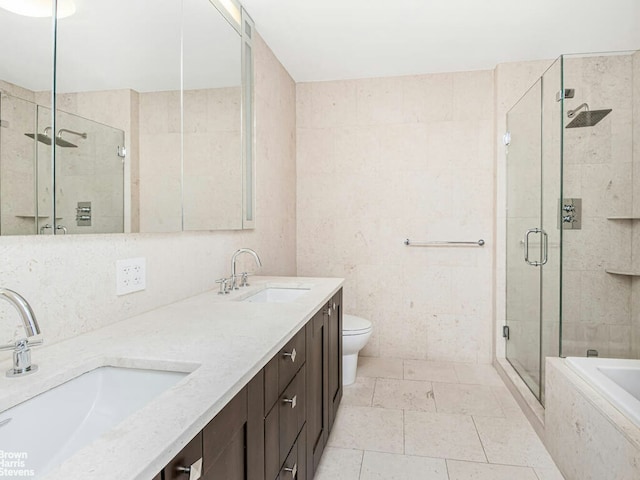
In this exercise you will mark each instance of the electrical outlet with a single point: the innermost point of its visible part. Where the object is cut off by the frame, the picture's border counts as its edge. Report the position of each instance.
(130, 275)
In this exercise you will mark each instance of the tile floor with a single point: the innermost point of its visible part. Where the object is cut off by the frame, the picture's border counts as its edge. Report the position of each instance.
(419, 420)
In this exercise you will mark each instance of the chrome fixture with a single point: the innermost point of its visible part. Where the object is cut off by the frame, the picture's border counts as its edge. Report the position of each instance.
(409, 243)
(570, 217)
(60, 142)
(566, 93)
(21, 352)
(587, 118)
(83, 214)
(233, 279)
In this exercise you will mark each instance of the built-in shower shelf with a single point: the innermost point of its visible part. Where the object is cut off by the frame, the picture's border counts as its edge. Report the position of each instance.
(623, 218)
(628, 273)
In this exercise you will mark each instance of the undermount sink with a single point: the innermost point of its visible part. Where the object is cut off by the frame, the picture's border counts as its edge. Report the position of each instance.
(52, 426)
(277, 295)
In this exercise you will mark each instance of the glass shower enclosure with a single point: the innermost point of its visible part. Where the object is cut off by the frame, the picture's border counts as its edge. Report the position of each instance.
(572, 256)
(84, 191)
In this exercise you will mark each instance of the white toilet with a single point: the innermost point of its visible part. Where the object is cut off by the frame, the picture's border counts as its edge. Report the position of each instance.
(355, 335)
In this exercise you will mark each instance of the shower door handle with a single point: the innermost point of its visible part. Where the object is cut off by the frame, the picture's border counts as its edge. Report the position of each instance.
(526, 248)
(545, 247)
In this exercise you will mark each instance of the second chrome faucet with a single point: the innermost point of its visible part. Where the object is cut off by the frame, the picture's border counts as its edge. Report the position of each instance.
(229, 284)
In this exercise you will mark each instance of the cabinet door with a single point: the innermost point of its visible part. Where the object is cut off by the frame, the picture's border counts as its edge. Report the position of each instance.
(334, 319)
(158, 477)
(317, 390)
(233, 442)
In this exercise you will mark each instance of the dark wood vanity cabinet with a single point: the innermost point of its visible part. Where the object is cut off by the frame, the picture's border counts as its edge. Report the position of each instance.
(277, 426)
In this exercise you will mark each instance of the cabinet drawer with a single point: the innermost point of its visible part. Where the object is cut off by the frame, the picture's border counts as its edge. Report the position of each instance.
(292, 412)
(294, 466)
(290, 358)
(187, 457)
(282, 368)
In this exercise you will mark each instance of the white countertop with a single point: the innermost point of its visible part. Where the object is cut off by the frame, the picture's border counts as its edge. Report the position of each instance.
(222, 341)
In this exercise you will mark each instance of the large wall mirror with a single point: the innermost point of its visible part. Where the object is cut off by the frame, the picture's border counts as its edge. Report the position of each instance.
(150, 125)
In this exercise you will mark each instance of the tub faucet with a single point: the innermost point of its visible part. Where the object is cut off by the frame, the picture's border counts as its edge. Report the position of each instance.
(21, 352)
(234, 278)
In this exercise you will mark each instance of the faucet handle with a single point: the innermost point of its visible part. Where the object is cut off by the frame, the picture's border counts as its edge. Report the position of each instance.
(21, 344)
(244, 279)
(223, 286)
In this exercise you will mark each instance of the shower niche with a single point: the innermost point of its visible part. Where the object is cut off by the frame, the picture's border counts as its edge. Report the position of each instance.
(573, 201)
(153, 127)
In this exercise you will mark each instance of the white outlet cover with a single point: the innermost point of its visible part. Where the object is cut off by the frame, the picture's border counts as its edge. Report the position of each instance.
(130, 275)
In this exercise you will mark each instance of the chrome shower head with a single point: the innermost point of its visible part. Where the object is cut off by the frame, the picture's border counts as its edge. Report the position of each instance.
(588, 118)
(46, 138)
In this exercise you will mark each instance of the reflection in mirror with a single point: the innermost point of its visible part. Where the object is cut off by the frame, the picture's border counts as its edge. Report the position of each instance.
(26, 68)
(133, 151)
(122, 89)
(212, 179)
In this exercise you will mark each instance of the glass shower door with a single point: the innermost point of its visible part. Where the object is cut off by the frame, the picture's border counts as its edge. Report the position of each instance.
(525, 240)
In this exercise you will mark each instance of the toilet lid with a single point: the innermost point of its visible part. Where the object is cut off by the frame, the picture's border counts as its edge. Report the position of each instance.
(352, 324)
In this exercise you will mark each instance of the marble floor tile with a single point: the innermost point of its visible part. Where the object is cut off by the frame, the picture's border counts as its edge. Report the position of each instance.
(430, 371)
(508, 404)
(512, 443)
(442, 435)
(485, 471)
(380, 367)
(387, 466)
(368, 428)
(359, 393)
(478, 374)
(549, 473)
(466, 399)
(404, 395)
(339, 464)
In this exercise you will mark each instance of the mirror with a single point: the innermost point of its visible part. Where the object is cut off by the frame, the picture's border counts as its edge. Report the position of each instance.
(26, 68)
(148, 128)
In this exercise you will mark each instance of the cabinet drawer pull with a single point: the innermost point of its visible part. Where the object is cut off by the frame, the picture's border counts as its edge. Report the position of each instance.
(291, 355)
(334, 305)
(327, 312)
(194, 471)
(293, 401)
(293, 471)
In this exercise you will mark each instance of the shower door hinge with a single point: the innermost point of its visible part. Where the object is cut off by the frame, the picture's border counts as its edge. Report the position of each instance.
(566, 93)
(122, 152)
(506, 138)
(505, 332)
(4, 123)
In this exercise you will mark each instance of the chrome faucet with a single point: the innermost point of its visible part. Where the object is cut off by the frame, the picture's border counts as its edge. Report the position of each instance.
(234, 282)
(21, 352)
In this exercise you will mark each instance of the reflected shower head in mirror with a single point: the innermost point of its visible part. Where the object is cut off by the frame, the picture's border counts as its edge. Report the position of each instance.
(587, 118)
(60, 142)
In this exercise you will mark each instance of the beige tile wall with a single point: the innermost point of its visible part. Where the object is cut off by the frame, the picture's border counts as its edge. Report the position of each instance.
(380, 160)
(70, 281)
(598, 167)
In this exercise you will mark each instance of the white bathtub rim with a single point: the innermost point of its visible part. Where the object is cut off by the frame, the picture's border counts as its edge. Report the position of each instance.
(618, 419)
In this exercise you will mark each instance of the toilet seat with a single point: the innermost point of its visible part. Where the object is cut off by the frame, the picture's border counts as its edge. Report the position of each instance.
(353, 325)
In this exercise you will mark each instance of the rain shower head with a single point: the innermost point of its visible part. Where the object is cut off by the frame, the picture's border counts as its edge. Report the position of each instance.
(41, 137)
(588, 118)
(60, 142)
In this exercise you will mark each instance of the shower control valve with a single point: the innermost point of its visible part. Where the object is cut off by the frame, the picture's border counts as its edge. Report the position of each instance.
(569, 208)
(568, 219)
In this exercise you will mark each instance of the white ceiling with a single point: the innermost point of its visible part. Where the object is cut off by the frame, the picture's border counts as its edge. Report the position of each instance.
(340, 39)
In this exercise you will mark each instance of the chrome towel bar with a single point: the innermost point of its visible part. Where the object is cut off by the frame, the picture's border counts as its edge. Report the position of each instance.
(409, 243)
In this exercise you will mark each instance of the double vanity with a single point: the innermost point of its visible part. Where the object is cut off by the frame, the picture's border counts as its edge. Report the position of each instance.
(244, 385)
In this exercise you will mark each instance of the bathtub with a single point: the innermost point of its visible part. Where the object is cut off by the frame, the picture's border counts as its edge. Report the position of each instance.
(618, 380)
